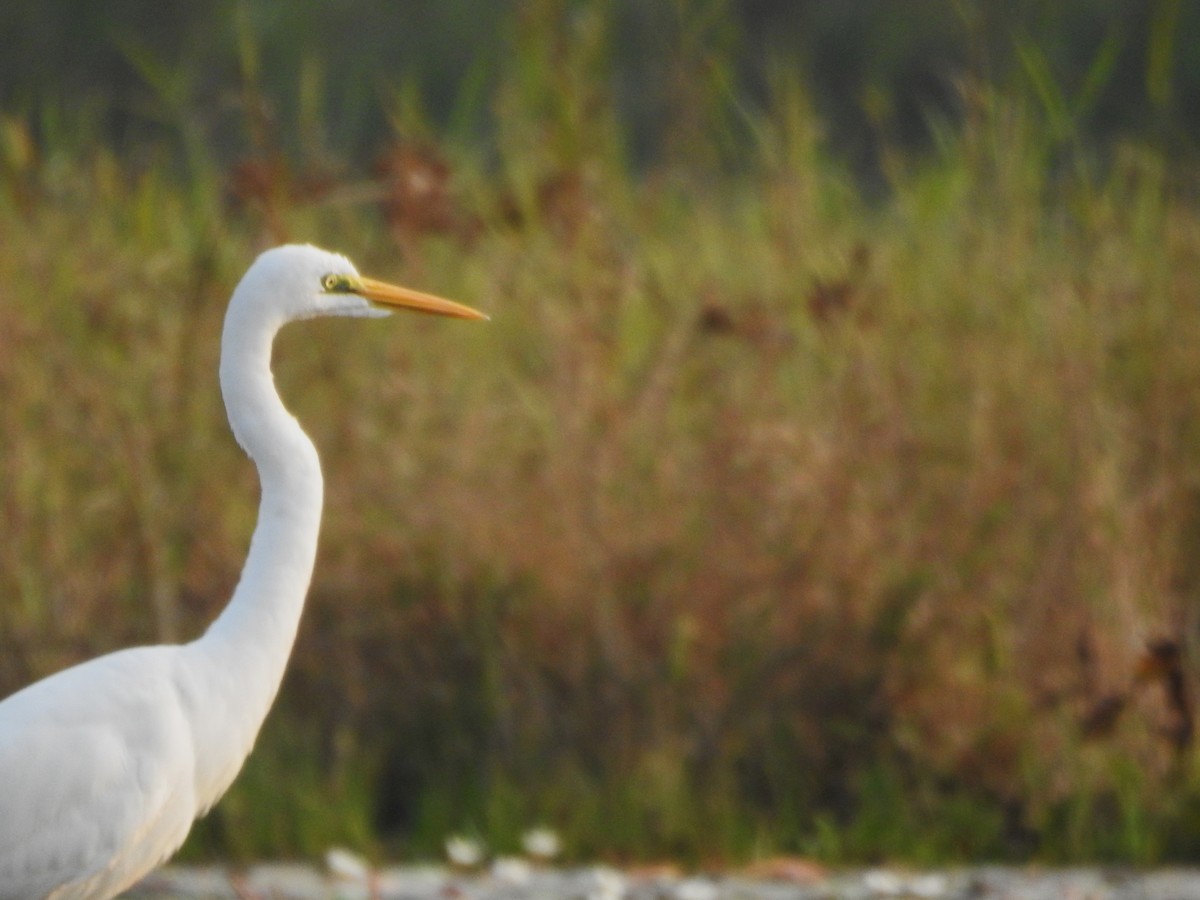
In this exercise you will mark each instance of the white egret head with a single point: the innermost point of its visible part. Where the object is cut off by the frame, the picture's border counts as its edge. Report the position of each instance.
(299, 281)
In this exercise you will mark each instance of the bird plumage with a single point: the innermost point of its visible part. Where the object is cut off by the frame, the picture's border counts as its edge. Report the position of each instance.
(104, 766)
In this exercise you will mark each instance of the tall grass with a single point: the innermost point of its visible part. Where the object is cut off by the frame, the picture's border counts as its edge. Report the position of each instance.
(759, 519)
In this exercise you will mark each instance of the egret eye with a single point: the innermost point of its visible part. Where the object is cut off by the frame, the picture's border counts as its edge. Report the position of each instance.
(333, 282)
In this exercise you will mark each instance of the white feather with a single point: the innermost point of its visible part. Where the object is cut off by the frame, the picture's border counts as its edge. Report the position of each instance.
(104, 766)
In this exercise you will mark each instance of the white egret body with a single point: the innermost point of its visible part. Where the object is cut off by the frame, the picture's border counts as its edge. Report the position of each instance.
(104, 766)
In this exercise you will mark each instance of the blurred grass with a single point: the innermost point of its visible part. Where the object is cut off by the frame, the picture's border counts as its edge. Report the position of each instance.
(759, 519)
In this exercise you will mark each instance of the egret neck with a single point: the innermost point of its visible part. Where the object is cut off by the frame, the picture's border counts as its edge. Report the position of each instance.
(247, 648)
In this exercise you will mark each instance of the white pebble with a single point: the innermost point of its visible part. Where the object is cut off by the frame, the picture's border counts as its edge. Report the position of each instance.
(696, 889)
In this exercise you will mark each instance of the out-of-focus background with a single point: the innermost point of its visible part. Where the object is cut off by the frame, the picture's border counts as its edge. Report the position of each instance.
(827, 480)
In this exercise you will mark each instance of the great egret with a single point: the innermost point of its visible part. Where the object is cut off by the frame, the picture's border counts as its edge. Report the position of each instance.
(104, 766)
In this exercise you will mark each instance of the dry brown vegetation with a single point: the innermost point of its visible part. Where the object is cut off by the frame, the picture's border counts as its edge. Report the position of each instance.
(758, 519)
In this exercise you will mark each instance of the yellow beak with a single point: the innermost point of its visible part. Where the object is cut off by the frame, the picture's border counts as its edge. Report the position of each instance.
(392, 297)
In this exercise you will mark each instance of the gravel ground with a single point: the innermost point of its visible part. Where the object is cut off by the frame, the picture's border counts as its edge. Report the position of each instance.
(516, 880)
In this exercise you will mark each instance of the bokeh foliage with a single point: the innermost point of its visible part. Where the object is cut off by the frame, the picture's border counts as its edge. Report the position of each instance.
(782, 506)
